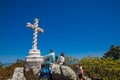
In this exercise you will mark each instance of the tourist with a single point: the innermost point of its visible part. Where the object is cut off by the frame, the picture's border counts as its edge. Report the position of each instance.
(49, 67)
(79, 72)
(52, 56)
(44, 73)
(62, 59)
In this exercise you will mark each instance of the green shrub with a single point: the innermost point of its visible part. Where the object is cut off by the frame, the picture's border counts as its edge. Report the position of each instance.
(105, 69)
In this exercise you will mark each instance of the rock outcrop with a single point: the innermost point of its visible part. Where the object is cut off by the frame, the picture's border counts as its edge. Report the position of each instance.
(18, 74)
(61, 72)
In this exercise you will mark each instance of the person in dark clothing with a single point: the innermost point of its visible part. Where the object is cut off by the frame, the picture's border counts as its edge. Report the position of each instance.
(56, 58)
(79, 72)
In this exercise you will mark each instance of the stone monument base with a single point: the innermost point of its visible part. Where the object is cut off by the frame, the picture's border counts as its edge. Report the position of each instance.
(33, 60)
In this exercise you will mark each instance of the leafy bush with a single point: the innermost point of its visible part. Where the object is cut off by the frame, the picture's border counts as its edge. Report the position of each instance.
(113, 52)
(105, 69)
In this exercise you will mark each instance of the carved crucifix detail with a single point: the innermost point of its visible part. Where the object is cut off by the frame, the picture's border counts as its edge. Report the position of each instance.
(36, 30)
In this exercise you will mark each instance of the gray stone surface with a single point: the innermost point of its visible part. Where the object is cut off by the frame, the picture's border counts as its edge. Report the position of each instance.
(18, 74)
(64, 71)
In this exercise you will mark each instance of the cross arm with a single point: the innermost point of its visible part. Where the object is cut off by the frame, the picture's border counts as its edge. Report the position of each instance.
(40, 30)
(29, 25)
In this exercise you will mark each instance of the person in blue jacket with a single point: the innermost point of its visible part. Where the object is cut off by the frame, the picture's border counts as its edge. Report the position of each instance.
(44, 72)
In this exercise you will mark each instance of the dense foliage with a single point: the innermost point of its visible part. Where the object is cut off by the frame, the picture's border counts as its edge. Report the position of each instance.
(104, 69)
(114, 53)
(98, 68)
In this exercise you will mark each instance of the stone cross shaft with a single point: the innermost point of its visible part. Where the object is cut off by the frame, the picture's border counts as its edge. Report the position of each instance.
(36, 30)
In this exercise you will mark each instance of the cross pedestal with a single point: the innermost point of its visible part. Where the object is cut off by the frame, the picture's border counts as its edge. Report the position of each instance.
(34, 60)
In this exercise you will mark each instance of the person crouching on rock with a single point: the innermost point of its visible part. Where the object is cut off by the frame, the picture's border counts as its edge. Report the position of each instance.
(44, 73)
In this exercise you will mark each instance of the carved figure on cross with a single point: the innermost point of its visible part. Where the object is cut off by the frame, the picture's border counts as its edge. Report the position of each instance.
(36, 30)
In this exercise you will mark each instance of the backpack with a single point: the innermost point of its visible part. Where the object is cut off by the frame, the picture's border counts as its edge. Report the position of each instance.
(78, 70)
(56, 58)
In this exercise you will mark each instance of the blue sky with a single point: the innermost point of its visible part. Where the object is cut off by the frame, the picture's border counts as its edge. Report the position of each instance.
(76, 27)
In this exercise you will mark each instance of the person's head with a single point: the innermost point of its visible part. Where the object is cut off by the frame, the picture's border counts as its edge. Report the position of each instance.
(42, 65)
(48, 59)
(51, 51)
(62, 54)
(78, 64)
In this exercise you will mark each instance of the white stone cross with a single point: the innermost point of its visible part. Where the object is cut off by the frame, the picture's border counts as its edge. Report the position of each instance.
(36, 30)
